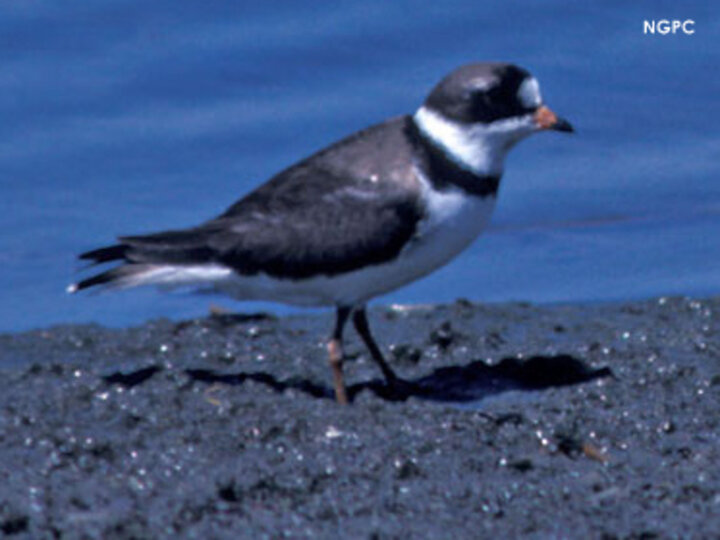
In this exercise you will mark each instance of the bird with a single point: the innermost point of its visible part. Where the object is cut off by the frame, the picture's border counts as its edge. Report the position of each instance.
(362, 217)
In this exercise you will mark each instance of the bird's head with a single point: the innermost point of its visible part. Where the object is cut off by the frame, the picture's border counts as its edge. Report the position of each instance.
(479, 111)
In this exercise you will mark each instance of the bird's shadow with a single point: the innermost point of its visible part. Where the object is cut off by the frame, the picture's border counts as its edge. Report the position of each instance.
(470, 382)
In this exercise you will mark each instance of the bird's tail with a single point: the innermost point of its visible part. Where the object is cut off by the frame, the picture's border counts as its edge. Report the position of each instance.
(169, 258)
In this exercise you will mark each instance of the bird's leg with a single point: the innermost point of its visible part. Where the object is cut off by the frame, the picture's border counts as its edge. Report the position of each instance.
(335, 352)
(361, 325)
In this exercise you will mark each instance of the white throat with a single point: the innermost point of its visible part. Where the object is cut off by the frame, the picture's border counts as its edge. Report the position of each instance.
(480, 148)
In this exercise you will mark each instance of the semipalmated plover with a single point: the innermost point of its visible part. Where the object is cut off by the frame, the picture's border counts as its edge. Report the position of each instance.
(366, 215)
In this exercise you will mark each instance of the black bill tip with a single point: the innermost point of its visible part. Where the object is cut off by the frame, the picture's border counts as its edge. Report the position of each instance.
(562, 125)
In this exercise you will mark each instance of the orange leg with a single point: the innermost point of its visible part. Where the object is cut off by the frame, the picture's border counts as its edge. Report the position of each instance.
(335, 353)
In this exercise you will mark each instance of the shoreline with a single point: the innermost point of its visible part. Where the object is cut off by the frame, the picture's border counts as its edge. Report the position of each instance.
(562, 420)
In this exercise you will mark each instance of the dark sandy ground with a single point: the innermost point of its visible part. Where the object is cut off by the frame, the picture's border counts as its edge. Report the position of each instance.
(568, 421)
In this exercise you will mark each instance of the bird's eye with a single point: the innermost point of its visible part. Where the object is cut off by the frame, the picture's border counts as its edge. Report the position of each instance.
(499, 95)
(484, 98)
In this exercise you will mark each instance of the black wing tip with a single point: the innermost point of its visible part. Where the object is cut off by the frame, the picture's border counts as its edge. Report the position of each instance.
(101, 279)
(106, 254)
(112, 277)
(115, 252)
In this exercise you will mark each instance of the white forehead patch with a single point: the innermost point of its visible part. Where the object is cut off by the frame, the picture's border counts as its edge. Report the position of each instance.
(529, 93)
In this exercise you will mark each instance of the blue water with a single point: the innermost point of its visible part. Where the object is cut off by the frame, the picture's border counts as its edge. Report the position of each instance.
(122, 117)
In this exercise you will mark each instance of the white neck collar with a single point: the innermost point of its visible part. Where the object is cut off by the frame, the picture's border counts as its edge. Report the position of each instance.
(479, 148)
